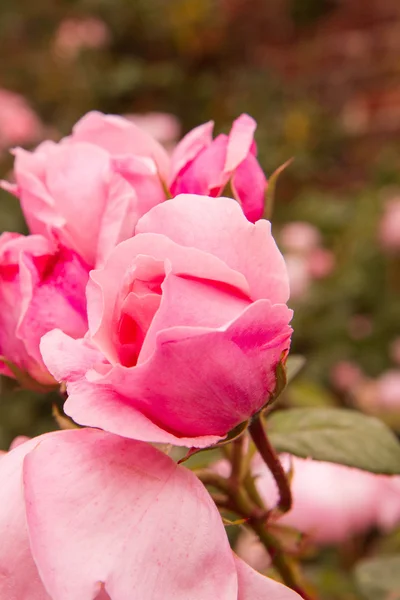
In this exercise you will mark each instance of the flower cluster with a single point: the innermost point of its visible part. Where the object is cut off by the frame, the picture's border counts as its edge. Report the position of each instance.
(162, 307)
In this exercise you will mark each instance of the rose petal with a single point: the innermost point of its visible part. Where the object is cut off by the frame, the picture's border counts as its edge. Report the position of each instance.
(220, 228)
(103, 509)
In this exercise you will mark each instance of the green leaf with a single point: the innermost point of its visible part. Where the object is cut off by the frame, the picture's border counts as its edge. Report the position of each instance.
(336, 435)
(379, 578)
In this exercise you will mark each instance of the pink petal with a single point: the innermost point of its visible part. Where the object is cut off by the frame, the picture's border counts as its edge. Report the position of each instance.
(249, 185)
(254, 586)
(19, 578)
(198, 383)
(240, 142)
(105, 284)
(220, 228)
(189, 147)
(120, 136)
(104, 509)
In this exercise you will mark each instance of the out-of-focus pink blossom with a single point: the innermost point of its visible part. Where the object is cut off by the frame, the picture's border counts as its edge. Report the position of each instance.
(87, 514)
(321, 263)
(299, 275)
(389, 227)
(381, 394)
(163, 127)
(203, 165)
(19, 125)
(198, 295)
(305, 258)
(331, 503)
(73, 35)
(300, 237)
(42, 286)
(360, 326)
(346, 376)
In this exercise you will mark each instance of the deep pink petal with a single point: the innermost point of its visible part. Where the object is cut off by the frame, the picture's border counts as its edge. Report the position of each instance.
(220, 228)
(104, 509)
(249, 185)
(105, 284)
(235, 365)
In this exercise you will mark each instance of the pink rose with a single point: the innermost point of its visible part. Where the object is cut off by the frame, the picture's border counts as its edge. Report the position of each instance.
(18, 123)
(90, 515)
(42, 286)
(331, 502)
(164, 127)
(78, 186)
(187, 321)
(201, 165)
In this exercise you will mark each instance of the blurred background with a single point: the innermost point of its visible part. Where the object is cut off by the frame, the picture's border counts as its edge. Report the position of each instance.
(322, 79)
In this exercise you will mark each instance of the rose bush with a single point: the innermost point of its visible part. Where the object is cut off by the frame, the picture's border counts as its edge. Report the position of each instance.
(86, 514)
(187, 324)
(42, 286)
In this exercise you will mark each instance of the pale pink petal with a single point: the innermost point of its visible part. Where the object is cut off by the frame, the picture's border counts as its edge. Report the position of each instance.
(120, 136)
(76, 176)
(249, 185)
(240, 142)
(220, 228)
(104, 509)
(254, 586)
(19, 578)
(189, 147)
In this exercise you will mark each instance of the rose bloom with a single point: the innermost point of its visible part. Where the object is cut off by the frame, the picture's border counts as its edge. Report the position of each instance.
(18, 123)
(90, 515)
(187, 324)
(93, 186)
(331, 503)
(42, 286)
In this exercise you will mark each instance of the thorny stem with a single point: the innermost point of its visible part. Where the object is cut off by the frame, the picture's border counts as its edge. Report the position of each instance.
(272, 461)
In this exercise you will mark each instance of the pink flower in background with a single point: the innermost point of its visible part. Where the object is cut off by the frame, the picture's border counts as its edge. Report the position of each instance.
(42, 286)
(18, 123)
(389, 227)
(300, 237)
(90, 515)
(191, 316)
(75, 187)
(73, 35)
(331, 503)
(305, 258)
(346, 376)
(299, 276)
(201, 165)
(163, 127)
(380, 396)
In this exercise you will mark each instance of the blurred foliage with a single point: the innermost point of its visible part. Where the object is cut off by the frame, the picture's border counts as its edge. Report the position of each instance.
(201, 60)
